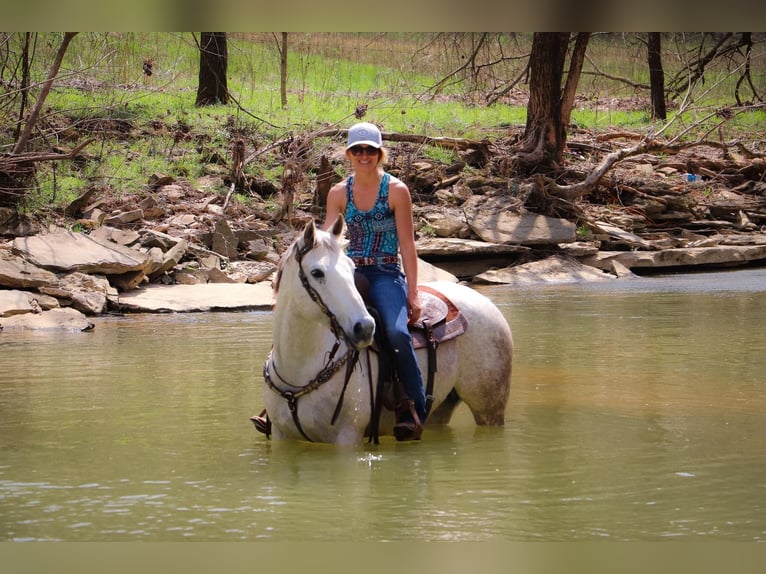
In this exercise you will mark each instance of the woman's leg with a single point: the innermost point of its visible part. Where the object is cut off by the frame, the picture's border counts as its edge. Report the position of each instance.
(388, 294)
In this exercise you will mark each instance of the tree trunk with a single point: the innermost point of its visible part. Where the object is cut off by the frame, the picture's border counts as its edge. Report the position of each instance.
(573, 77)
(545, 133)
(213, 61)
(283, 70)
(656, 76)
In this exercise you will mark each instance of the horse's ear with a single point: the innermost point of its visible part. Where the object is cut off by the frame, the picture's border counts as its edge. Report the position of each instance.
(337, 227)
(309, 235)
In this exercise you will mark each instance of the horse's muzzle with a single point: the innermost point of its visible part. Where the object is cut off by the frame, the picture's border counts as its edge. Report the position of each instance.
(363, 333)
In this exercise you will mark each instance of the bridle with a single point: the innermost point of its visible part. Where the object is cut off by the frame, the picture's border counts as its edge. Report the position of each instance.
(331, 367)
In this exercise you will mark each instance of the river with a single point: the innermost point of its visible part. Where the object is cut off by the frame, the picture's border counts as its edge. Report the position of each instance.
(637, 412)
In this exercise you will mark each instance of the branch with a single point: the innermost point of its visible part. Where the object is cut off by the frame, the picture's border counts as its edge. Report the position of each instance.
(650, 145)
(470, 61)
(11, 160)
(32, 120)
(627, 81)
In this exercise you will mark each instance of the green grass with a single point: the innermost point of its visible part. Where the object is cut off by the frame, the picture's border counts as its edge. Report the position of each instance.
(329, 76)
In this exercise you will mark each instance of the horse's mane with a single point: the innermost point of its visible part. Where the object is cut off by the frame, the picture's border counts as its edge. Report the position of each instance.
(324, 239)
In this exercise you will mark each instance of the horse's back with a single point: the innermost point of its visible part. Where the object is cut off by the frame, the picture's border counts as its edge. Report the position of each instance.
(482, 356)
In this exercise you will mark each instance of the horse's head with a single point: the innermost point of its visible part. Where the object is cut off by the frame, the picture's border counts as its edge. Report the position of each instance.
(317, 266)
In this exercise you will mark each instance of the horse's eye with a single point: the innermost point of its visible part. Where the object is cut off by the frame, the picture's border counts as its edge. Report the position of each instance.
(317, 273)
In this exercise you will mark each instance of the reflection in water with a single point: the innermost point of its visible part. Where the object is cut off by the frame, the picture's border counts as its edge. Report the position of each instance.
(637, 412)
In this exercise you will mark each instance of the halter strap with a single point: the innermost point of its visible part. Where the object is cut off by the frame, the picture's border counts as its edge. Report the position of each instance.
(350, 358)
(317, 298)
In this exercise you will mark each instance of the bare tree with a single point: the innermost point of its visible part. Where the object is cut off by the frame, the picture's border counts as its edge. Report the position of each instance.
(21, 143)
(726, 47)
(213, 63)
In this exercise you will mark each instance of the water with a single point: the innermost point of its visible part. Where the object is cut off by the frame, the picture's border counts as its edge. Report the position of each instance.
(637, 412)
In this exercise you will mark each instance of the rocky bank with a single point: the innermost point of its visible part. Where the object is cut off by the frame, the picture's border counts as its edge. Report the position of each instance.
(179, 248)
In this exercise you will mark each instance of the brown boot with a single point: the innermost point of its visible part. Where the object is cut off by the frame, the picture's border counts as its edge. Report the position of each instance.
(262, 423)
(407, 430)
(408, 425)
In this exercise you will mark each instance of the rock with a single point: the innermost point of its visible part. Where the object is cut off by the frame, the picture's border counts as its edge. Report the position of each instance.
(183, 220)
(65, 318)
(87, 293)
(578, 248)
(718, 256)
(466, 258)
(122, 237)
(69, 251)
(258, 249)
(195, 298)
(150, 208)
(453, 246)
(190, 276)
(127, 281)
(215, 275)
(428, 272)
(17, 273)
(494, 220)
(168, 260)
(13, 302)
(159, 180)
(446, 224)
(224, 240)
(13, 224)
(552, 270)
(125, 217)
(251, 271)
(78, 205)
(620, 236)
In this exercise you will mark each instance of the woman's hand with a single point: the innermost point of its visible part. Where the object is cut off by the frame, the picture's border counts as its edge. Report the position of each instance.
(413, 307)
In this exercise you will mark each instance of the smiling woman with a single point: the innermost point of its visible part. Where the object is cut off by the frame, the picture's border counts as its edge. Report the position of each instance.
(378, 212)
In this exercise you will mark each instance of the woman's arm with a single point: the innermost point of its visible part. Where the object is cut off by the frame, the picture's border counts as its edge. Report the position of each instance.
(400, 201)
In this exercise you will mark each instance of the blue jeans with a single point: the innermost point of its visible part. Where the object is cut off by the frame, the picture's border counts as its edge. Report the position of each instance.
(388, 295)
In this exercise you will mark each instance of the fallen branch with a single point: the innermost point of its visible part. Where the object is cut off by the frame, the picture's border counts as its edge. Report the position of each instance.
(648, 146)
(8, 161)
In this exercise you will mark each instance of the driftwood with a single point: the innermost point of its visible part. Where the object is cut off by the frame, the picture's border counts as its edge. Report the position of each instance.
(584, 187)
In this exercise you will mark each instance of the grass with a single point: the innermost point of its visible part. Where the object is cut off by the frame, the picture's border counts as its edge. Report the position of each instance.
(329, 76)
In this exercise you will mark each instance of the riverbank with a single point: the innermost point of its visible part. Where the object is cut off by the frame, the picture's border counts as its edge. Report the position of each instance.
(179, 247)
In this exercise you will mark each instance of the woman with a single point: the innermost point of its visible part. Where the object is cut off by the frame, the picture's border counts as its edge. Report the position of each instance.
(378, 213)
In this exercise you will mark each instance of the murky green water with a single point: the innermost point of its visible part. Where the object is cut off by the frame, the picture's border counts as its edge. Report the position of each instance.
(637, 412)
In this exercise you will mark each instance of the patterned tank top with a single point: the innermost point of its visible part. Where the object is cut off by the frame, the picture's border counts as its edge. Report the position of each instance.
(372, 234)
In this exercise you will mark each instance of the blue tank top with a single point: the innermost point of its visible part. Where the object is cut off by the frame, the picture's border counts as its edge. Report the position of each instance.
(372, 234)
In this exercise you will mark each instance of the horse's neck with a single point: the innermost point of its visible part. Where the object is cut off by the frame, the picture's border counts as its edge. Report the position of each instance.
(300, 347)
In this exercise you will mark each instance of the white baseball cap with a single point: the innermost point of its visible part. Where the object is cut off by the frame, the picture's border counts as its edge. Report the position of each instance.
(364, 133)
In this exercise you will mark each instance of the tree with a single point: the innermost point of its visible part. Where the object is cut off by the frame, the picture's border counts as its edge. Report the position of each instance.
(18, 169)
(21, 143)
(213, 62)
(550, 108)
(656, 76)
(282, 47)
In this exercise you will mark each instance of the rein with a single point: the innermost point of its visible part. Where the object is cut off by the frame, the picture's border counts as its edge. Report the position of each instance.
(332, 366)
